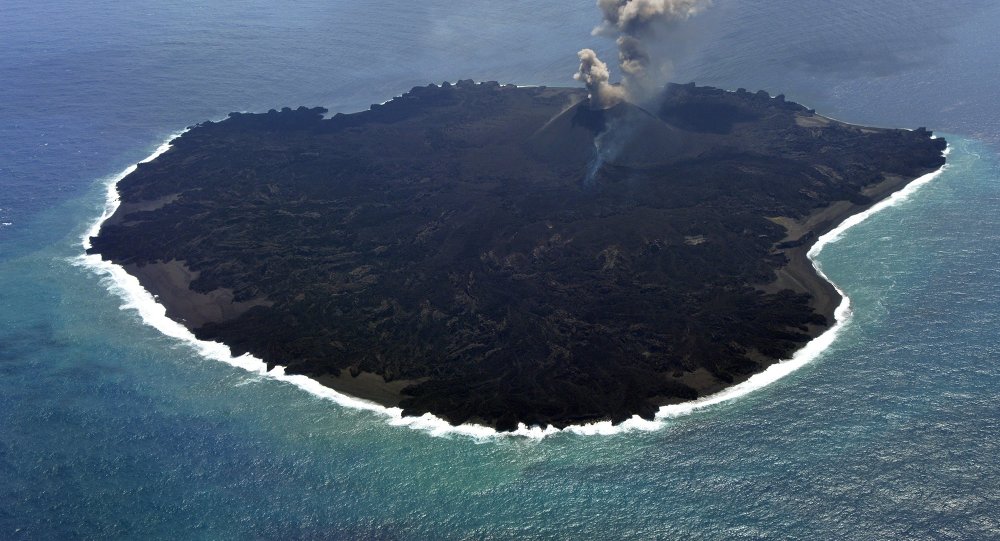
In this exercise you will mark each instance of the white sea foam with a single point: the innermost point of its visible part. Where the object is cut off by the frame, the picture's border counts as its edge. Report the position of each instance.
(136, 298)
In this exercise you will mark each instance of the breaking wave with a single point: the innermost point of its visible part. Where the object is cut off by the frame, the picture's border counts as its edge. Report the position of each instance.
(135, 297)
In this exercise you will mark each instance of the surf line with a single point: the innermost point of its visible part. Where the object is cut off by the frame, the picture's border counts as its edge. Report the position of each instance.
(152, 313)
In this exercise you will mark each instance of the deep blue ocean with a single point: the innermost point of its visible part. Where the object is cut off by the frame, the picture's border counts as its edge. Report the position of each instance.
(109, 429)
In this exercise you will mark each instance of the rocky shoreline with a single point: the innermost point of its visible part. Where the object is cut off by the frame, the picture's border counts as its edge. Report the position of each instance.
(448, 252)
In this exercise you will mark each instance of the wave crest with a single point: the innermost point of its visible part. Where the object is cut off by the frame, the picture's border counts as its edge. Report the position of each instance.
(135, 297)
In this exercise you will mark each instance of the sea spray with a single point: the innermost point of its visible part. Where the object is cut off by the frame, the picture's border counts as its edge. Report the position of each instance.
(135, 297)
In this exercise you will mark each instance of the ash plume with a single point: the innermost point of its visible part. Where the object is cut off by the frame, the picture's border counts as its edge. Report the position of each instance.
(636, 24)
(631, 17)
(595, 75)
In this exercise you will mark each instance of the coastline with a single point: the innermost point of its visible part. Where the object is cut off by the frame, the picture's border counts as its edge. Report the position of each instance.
(827, 224)
(803, 273)
(800, 274)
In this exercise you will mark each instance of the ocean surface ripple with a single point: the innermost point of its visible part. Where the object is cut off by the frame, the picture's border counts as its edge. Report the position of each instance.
(111, 429)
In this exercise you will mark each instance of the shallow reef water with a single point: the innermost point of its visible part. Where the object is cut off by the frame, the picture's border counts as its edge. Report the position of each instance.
(111, 429)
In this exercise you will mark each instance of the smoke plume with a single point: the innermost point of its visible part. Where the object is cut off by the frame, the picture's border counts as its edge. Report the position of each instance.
(636, 24)
(594, 74)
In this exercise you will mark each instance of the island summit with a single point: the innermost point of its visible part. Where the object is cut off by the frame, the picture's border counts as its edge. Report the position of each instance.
(502, 255)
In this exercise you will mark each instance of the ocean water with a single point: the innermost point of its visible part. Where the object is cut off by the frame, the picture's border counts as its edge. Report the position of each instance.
(110, 429)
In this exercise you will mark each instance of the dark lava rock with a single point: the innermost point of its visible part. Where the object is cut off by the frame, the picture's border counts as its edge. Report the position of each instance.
(510, 253)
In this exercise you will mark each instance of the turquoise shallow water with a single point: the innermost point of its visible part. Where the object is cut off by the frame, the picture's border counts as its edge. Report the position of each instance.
(110, 430)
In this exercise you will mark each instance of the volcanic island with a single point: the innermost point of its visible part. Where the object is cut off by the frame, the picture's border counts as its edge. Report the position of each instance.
(500, 255)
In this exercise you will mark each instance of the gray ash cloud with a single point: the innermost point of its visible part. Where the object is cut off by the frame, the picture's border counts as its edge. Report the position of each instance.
(595, 75)
(636, 25)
